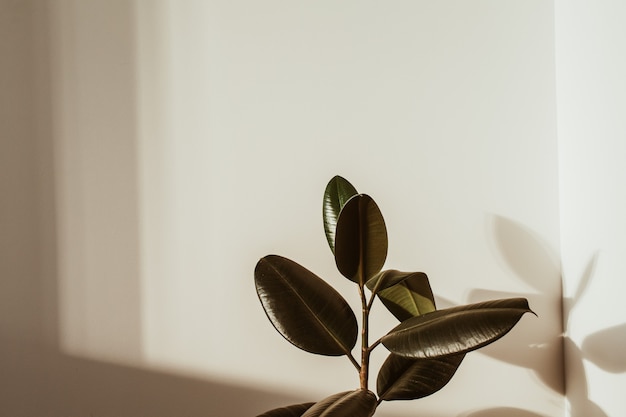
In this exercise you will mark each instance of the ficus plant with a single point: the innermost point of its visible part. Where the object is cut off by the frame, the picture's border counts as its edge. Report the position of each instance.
(425, 348)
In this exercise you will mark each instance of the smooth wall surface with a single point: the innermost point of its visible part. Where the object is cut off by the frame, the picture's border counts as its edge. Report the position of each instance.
(182, 141)
(592, 102)
(448, 121)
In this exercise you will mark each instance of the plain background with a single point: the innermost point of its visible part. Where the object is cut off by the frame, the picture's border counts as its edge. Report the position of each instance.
(152, 152)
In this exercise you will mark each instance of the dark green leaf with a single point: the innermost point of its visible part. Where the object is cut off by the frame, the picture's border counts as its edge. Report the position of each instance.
(359, 403)
(411, 295)
(386, 279)
(291, 411)
(303, 308)
(409, 379)
(455, 330)
(361, 239)
(338, 191)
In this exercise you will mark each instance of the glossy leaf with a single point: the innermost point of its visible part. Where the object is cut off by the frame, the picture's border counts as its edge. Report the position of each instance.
(386, 279)
(361, 239)
(455, 330)
(409, 379)
(410, 296)
(337, 193)
(359, 403)
(307, 311)
(295, 410)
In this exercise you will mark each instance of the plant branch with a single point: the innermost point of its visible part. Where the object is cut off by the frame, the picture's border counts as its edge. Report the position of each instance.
(354, 361)
(376, 343)
(371, 302)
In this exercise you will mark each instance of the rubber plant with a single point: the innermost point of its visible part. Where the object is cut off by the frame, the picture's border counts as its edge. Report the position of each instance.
(426, 347)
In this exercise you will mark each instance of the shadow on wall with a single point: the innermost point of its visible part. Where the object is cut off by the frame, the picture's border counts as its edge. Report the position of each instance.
(36, 378)
(604, 348)
(502, 412)
(532, 260)
(534, 263)
(39, 381)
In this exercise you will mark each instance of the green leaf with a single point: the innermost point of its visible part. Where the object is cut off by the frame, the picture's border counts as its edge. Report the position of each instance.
(455, 330)
(290, 411)
(361, 239)
(386, 279)
(409, 379)
(359, 403)
(304, 309)
(409, 295)
(338, 191)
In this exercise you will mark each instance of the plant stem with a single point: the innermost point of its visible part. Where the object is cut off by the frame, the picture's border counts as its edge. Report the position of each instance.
(365, 350)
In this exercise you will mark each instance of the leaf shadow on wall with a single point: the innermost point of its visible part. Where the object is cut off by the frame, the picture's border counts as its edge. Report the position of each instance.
(606, 348)
(534, 262)
(603, 348)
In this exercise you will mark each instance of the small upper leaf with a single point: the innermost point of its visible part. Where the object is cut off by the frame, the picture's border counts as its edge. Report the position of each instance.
(303, 308)
(409, 296)
(455, 330)
(361, 239)
(295, 410)
(359, 403)
(409, 379)
(337, 193)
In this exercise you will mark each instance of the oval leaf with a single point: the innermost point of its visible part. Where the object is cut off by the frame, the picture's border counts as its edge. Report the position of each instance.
(295, 410)
(361, 239)
(303, 308)
(410, 297)
(455, 330)
(359, 403)
(409, 379)
(337, 193)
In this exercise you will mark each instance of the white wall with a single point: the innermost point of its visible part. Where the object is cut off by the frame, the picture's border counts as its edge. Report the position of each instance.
(439, 115)
(192, 138)
(591, 40)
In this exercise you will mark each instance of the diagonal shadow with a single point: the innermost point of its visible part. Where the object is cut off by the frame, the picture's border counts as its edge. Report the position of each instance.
(37, 380)
(36, 377)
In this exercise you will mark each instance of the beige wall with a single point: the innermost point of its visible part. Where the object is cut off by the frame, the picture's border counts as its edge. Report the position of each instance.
(448, 121)
(156, 150)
